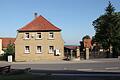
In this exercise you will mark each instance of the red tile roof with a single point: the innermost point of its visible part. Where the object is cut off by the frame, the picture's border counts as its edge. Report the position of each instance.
(39, 24)
(71, 47)
(6, 41)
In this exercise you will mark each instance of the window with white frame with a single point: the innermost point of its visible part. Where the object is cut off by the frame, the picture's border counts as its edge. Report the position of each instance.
(51, 49)
(27, 36)
(51, 35)
(39, 49)
(27, 49)
(39, 36)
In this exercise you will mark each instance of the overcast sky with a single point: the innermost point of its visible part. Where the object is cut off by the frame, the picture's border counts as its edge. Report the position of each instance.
(74, 17)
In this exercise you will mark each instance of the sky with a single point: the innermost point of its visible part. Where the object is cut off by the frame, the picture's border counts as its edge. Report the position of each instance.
(74, 17)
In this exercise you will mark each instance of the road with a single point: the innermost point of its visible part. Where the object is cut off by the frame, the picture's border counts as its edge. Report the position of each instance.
(97, 69)
(99, 65)
(72, 66)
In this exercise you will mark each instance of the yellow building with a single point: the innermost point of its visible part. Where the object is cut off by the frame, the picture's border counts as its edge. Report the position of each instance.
(39, 40)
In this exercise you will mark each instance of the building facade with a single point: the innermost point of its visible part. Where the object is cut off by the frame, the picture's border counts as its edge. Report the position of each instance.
(72, 51)
(4, 43)
(39, 40)
(1, 50)
(87, 43)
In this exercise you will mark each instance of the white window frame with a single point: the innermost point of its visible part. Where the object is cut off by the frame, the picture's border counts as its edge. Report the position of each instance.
(27, 50)
(39, 51)
(51, 35)
(51, 50)
(27, 36)
(38, 34)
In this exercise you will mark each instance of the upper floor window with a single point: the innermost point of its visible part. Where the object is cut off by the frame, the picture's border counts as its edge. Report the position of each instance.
(27, 36)
(39, 49)
(51, 35)
(51, 49)
(27, 49)
(38, 36)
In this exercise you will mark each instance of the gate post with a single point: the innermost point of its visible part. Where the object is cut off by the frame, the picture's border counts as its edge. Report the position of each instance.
(87, 53)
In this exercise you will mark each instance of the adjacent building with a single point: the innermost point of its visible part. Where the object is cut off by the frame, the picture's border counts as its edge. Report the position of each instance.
(4, 43)
(39, 40)
(87, 43)
(72, 51)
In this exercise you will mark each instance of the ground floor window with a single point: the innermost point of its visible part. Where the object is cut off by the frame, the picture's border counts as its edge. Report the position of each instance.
(51, 49)
(39, 49)
(27, 49)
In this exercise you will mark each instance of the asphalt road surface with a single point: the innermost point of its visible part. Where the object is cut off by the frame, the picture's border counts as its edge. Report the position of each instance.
(99, 65)
(86, 70)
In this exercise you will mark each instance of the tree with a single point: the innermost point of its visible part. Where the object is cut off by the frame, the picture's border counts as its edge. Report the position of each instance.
(116, 38)
(10, 50)
(86, 37)
(107, 28)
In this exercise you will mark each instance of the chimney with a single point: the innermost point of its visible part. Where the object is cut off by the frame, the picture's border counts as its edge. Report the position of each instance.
(35, 14)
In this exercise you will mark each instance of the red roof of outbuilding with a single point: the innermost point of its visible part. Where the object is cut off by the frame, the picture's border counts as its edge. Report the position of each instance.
(6, 41)
(71, 47)
(39, 24)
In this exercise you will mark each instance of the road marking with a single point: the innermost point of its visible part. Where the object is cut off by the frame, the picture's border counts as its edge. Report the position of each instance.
(112, 68)
(84, 69)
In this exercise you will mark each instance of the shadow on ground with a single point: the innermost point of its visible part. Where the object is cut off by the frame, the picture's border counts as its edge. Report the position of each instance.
(59, 75)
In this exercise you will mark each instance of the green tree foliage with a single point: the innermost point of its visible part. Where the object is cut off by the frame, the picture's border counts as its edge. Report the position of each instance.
(107, 28)
(10, 51)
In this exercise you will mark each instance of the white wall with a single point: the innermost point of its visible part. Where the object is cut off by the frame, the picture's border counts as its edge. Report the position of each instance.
(0, 45)
(1, 52)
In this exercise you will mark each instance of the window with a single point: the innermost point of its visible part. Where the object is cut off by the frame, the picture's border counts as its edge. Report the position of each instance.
(51, 35)
(27, 36)
(38, 36)
(39, 49)
(27, 49)
(51, 49)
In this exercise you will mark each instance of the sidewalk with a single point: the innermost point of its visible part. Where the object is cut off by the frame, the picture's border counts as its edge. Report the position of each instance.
(48, 62)
(65, 62)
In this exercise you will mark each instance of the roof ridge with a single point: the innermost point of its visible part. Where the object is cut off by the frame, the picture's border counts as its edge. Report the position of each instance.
(40, 19)
(49, 21)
